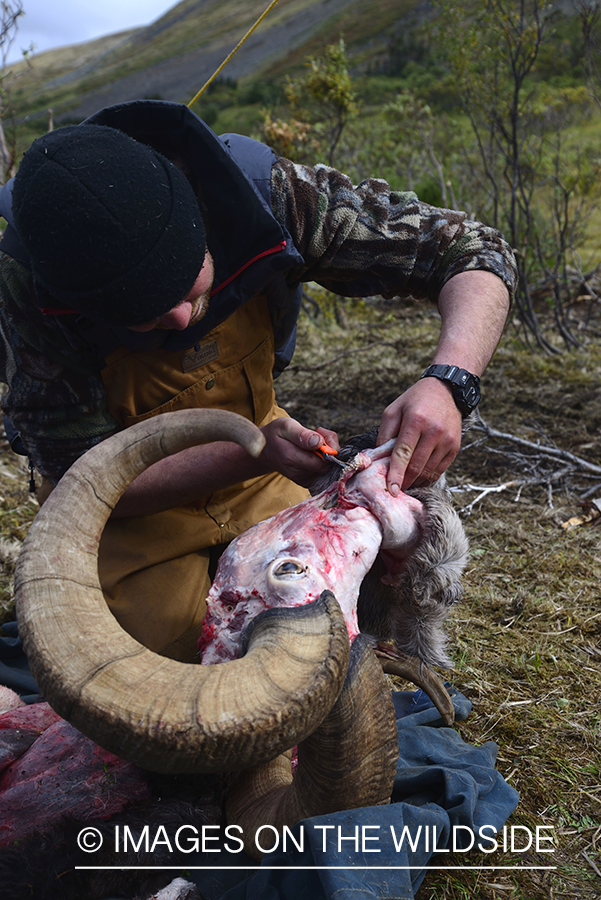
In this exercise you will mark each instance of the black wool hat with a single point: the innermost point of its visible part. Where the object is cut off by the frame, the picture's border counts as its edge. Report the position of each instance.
(112, 228)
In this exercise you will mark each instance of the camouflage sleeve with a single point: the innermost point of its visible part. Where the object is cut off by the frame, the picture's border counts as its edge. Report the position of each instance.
(55, 399)
(369, 239)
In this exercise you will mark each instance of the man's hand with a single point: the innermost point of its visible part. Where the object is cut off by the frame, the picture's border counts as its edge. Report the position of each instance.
(427, 425)
(473, 307)
(289, 450)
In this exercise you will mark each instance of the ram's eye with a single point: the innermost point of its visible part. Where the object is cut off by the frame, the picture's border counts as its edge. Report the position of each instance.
(289, 568)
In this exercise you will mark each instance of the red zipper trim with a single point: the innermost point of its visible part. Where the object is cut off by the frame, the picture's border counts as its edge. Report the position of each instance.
(280, 246)
(51, 311)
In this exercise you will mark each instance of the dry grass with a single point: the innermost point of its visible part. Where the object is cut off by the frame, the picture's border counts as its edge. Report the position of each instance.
(17, 510)
(527, 636)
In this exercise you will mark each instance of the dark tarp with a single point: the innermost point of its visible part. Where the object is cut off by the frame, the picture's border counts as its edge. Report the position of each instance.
(14, 668)
(445, 789)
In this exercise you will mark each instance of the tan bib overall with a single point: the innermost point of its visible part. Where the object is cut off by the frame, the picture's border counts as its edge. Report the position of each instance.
(155, 570)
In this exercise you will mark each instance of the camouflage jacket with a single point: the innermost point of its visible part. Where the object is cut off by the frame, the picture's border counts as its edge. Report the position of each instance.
(355, 240)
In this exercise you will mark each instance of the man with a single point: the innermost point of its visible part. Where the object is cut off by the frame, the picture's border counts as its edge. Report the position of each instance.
(151, 266)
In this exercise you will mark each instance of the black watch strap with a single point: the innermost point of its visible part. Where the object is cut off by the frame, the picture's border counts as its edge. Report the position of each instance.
(464, 386)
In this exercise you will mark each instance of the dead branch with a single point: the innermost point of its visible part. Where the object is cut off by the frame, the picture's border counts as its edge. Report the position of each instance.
(538, 462)
(590, 861)
(485, 490)
(543, 450)
(543, 480)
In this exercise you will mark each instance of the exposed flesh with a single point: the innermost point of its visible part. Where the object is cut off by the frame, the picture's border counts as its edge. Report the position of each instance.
(329, 542)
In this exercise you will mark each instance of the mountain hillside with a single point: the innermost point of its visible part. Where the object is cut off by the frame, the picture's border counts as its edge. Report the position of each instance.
(174, 56)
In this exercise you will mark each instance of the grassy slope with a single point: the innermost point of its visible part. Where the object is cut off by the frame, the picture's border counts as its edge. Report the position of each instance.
(175, 55)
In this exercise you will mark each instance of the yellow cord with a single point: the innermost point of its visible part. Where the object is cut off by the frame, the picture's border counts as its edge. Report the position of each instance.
(235, 50)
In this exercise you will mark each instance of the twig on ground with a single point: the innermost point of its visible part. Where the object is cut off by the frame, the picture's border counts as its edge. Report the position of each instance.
(543, 449)
(536, 459)
(485, 490)
(591, 863)
(595, 489)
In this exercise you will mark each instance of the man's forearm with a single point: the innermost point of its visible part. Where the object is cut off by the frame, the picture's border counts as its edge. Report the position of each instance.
(186, 476)
(198, 471)
(473, 308)
(425, 419)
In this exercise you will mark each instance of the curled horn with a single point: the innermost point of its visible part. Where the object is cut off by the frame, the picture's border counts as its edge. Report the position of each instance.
(162, 714)
(411, 668)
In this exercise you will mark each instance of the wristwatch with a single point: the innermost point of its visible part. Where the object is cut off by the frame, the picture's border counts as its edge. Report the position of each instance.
(465, 387)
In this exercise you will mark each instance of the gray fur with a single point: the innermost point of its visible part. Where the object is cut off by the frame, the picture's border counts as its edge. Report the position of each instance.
(412, 611)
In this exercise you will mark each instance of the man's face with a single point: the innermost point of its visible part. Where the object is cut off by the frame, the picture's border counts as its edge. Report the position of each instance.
(191, 309)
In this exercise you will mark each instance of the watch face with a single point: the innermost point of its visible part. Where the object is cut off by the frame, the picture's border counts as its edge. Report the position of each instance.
(466, 392)
(471, 395)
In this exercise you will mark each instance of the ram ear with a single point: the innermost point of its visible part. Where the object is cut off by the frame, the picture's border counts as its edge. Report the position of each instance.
(162, 714)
